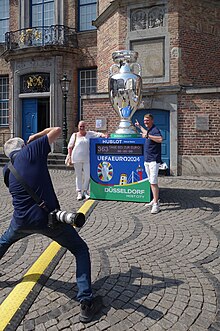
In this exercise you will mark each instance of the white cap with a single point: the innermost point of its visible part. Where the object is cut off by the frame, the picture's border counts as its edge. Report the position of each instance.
(13, 144)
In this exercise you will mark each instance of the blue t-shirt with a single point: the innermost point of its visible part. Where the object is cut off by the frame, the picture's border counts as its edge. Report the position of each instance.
(31, 163)
(153, 149)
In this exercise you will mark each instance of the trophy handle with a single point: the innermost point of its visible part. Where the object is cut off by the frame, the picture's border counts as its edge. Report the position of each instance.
(139, 67)
(113, 66)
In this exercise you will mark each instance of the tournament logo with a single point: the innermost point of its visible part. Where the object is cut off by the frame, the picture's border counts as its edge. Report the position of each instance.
(105, 171)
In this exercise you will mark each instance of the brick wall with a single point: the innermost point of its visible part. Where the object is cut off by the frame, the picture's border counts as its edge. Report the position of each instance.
(86, 58)
(173, 31)
(102, 5)
(14, 12)
(87, 52)
(198, 142)
(95, 108)
(111, 36)
(3, 64)
(199, 33)
(70, 13)
(105, 47)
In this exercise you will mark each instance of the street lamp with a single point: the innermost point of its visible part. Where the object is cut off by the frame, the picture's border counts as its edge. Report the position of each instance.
(65, 83)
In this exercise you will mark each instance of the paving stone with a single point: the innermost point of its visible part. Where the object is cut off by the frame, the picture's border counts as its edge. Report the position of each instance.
(40, 327)
(63, 325)
(53, 328)
(195, 327)
(156, 272)
(156, 328)
(104, 325)
(29, 325)
(51, 323)
(138, 326)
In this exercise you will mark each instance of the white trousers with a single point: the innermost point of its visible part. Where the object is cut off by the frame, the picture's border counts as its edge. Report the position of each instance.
(152, 169)
(82, 172)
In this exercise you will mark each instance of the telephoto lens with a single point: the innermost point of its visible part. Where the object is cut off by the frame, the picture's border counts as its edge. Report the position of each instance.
(76, 219)
(65, 217)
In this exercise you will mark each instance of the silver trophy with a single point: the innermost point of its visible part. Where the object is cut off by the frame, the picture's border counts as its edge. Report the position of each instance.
(125, 89)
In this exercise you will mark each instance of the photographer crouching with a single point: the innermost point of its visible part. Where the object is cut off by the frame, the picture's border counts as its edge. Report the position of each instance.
(37, 210)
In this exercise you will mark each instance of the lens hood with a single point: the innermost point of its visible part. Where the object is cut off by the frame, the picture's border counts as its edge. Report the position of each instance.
(79, 220)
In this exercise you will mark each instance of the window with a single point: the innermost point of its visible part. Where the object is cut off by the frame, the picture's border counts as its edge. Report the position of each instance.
(4, 19)
(87, 14)
(87, 85)
(42, 13)
(88, 81)
(4, 96)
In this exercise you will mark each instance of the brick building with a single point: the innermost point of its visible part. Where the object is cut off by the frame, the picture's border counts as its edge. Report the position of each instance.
(179, 50)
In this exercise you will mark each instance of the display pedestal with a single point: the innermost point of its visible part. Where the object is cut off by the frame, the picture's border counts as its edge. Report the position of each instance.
(117, 170)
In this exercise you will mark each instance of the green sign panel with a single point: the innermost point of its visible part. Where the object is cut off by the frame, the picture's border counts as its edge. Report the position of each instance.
(137, 192)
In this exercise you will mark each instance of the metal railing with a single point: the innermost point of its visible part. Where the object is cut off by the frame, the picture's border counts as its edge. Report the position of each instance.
(58, 35)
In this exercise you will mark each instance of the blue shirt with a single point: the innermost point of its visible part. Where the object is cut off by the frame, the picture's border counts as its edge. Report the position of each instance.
(31, 163)
(153, 149)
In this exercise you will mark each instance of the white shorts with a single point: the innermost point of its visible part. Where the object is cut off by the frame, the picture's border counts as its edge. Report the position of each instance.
(152, 169)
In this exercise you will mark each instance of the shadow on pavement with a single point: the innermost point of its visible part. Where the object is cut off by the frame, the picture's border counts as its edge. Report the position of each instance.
(177, 199)
(118, 290)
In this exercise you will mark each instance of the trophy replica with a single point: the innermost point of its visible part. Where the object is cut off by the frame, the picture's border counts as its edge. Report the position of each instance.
(125, 90)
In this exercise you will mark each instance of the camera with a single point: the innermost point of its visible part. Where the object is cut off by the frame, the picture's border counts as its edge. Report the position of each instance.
(58, 216)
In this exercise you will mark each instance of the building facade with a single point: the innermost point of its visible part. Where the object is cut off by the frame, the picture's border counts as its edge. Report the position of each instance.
(178, 43)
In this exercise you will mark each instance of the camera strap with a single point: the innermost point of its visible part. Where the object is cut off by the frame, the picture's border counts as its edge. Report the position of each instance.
(27, 188)
(6, 170)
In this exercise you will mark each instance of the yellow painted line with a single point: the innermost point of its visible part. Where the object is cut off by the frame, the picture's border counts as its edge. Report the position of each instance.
(87, 207)
(19, 294)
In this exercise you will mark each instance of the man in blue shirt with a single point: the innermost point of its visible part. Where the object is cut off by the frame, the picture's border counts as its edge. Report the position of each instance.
(30, 161)
(152, 158)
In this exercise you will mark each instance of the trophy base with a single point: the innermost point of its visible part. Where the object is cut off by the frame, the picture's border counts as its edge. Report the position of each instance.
(125, 130)
(125, 135)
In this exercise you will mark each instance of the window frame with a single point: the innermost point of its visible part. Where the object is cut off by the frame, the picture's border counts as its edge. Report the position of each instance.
(4, 100)
(80, 95)
(42, 4)
(88, 86)
(80, 6)
(5, 19)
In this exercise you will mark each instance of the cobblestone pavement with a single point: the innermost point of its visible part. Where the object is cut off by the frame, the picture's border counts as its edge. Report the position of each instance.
(155, 272)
